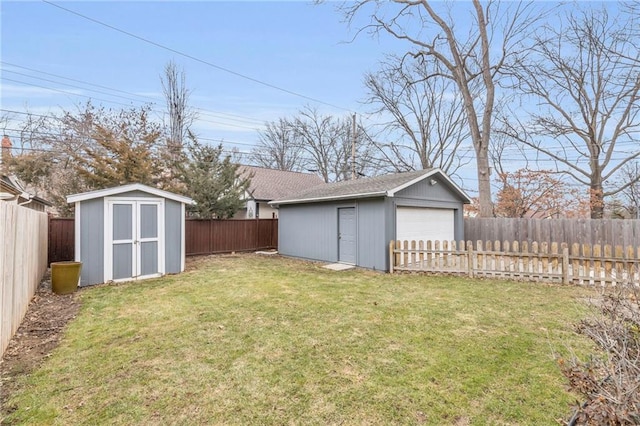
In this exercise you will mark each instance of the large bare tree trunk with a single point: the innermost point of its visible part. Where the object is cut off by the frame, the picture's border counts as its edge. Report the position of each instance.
(484, 184)
(582, 81)
(472, 58)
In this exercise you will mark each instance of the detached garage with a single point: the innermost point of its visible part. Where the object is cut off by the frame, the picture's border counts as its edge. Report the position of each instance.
(128, 233)
(353, 221)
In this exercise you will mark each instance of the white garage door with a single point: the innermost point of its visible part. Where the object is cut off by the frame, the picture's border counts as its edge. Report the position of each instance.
(419, 223)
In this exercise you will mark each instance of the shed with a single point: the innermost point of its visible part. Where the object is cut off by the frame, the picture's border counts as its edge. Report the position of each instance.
(353, 221)
(129, 232)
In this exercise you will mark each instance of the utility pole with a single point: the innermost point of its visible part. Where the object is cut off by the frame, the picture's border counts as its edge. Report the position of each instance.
(353, 149)
(635, 194)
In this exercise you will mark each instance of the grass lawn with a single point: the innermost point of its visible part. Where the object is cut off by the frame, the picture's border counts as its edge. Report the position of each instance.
(262, 340)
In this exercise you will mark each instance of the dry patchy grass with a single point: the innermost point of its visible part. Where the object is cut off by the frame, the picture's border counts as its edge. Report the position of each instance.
(266, 340)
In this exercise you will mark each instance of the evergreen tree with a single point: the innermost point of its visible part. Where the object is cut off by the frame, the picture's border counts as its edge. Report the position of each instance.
(212, 182)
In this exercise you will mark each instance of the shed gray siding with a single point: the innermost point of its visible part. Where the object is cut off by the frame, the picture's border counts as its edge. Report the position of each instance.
(92, 238)
(173, 236)
(92, 241)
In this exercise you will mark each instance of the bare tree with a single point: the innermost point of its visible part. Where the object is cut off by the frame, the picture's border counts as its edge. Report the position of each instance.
(426, 117)
(538, 194)
(90, 148)
(277, 148)
(327, 142)
(628, 202)
(584, 83)
(176, 96)
(472, 58)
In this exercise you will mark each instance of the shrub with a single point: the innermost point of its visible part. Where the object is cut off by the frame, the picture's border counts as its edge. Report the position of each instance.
(610, 380)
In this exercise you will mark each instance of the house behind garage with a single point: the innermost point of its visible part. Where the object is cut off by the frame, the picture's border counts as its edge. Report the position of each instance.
(353, 221)
(270, 184)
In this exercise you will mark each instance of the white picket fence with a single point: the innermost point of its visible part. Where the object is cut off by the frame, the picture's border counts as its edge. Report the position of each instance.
(23, 262)
(582, 264)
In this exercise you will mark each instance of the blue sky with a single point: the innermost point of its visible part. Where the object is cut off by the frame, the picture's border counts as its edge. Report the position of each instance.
(297, 46)
(294, 45)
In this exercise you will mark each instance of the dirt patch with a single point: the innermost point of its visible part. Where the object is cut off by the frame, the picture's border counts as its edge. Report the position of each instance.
(40, 331)
(38, 334)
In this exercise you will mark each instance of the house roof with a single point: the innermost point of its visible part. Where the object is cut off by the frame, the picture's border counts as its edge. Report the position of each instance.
(127, 188)
(270, 184)
(378, 186)
(12, 185)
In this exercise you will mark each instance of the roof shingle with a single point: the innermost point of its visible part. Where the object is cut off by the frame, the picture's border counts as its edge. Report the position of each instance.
(270, 184)
(373, 185)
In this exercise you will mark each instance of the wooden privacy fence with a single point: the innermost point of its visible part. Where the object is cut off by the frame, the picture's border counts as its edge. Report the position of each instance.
(61, 239)
(23, 262)
(202, 236)
(615, 232)
(584, 264)
(208, 236)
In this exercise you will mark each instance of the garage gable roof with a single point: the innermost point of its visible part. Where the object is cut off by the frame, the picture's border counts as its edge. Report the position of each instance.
(378, 186)
(128, 188)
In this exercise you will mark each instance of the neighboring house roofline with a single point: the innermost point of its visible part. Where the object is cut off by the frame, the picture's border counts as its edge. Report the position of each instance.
(128, 188)
(14, 185)
(272, 184)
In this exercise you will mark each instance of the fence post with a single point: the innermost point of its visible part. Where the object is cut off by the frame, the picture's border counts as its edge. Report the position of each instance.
(391, 256)
(565, 265)
(470, 259)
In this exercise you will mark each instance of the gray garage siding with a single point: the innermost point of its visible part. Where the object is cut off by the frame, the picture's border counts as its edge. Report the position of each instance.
(371, 234)
(317, 223)
(425, 191)
(309, 231)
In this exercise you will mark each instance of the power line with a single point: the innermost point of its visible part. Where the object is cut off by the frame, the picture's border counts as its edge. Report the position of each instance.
(256, 128)
(54, 135)
(75, 80)
(71, 85)
(202, 61)
(57, 151)
(200, 110)
(62, 91)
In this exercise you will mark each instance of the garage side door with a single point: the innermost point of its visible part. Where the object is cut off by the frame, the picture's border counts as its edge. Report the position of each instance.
(420, 223)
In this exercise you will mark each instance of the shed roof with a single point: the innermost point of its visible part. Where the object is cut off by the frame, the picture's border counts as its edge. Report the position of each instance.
(378, 186)
(127, 188)
(270, 184)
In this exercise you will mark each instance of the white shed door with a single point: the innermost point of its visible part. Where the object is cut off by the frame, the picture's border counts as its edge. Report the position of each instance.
(420, 223)
(134, 239)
